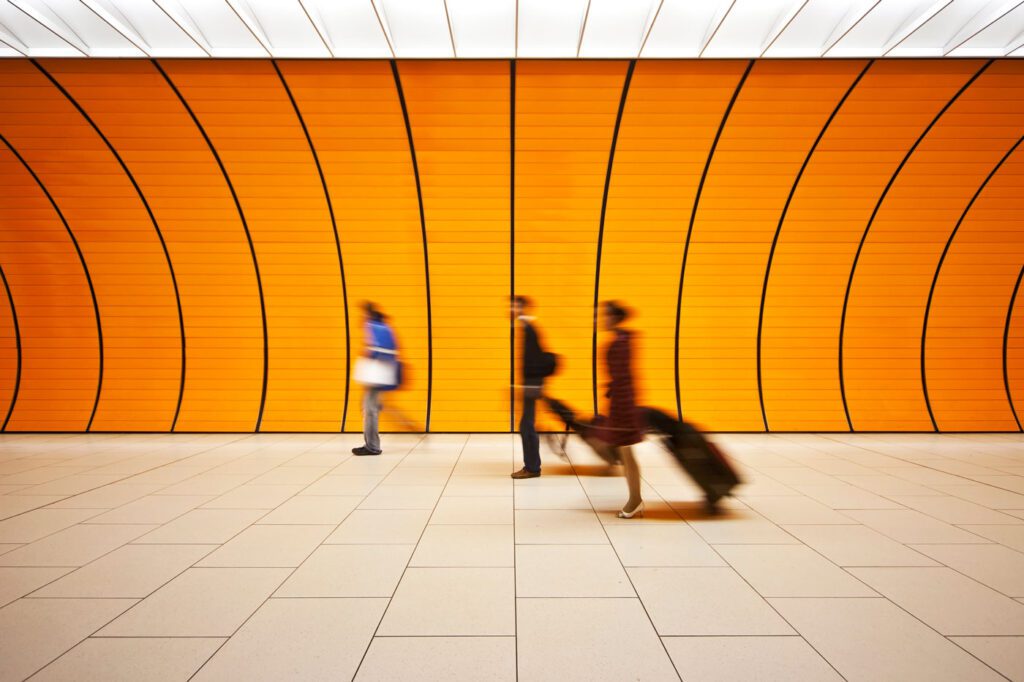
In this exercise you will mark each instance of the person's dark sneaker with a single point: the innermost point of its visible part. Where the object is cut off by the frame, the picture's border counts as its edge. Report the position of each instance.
(525, 473)
(362, 451)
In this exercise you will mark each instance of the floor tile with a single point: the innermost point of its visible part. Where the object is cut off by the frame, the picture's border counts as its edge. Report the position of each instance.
(791, 571)
(291, 475)
(74, 546)
(207, 484)
(839, 495)
(885, 485)
(452, 601)
(558, 527)
(472, 510)
(1009, 536)
(1000, 568)
(107, 497)
(953, 509)
(203, 526)
(570, 571)
(900, 646)
(671, 544)
(589, 640)
(704, 601)
(17, 581)
(349, 571)
(911, 527)
(402, 497)
(725, 659)
(946, 600)
(129, 571)
(453, 659)
(152, 509)
(985, 495)
(201, 602)
(33, 632)
(299, 639)
(418, 476)
(253, 497)
(342, 485)
(316, 510)
(268, 547)
(129, 659)
(39, 523)
(464, 485)
(550, 497)
(465, 545)
(858, 546)
(749, 529)
(785, 510)
(381, 526)
(1002, 653)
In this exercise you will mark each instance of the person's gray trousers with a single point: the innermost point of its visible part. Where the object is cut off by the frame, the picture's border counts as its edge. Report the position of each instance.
(371, 416)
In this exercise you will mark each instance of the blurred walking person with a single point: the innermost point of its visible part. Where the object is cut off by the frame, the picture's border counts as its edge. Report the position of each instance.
(537, 364)
(378, 370)
(625, 425)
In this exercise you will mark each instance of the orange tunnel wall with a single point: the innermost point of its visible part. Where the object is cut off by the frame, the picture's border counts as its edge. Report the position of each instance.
(807, 245)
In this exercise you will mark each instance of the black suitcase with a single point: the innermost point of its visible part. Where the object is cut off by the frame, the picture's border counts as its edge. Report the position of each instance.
(699, 457)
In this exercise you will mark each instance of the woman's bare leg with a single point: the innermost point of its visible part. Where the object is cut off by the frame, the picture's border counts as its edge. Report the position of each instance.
(632, 477)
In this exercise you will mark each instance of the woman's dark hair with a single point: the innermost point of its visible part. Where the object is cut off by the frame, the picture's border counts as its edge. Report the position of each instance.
(615, 312)
(371, 311)
(521, 301)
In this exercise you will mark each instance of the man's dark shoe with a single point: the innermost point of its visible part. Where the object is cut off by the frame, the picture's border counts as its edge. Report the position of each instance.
(526, 473)
(362, 451)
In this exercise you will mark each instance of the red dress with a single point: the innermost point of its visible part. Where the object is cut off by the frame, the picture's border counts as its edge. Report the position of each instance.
(624, 427)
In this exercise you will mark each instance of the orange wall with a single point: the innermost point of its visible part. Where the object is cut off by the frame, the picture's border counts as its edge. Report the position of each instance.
(187, 243)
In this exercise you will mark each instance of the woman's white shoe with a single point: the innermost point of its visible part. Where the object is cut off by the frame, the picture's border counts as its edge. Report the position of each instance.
(638, 510)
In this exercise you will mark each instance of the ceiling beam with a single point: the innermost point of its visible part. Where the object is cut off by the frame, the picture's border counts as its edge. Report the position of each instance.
(46, 23)
(254, 28)
(647, 33)
(203, 44)
(908, 28)
(966, 33)
(130, 34)
(828, 48)
(780, 27)
(322, 34)
(383, 27)
(708, 37)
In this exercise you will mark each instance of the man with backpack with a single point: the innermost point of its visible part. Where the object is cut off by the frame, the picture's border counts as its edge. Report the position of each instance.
(537, 364)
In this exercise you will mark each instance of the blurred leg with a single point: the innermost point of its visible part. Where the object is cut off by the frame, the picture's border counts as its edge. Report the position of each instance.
(371, 414)
(528, 432)
(632, 477)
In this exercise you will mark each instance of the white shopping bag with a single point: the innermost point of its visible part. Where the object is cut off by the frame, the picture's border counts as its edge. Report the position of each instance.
(375, 372)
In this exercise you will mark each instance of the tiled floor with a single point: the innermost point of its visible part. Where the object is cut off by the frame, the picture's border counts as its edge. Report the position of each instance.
(858, 557)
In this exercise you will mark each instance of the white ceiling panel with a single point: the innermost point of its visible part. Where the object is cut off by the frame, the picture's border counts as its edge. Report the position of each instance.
(750, 26)
(283, 28)
(214, 25)
(79, 26)
(504, 29)
(550, 28)
(616, 29)
(885, 26)
(483, 28)
(418, 28)
(683, 27)
(1001, 38)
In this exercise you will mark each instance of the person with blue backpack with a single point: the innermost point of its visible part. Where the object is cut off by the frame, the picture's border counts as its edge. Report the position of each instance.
(383, 373)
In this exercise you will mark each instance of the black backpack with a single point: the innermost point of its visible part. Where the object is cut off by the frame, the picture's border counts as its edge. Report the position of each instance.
(548, 364)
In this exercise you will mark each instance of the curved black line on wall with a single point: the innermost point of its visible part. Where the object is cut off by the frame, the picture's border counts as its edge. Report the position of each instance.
(1006, 339)
(782, 220)
(152, 219)
(600, 229)
(693, 217)
(512, 246)
(17, 341)
(245, 226)
(85, 270)
(871, 220)
(938, 269)
(337, 239)
(423, 228)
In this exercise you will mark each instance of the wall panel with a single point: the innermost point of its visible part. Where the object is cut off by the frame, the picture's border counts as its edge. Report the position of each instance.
(850, 249)
(967, 320)
(777, 116)
(130, 273)
(889, 290)
(354, 117)
(245, 110)
(673, 110)
(8, 353)
(460, 123)
(565, 114)
(142, 117)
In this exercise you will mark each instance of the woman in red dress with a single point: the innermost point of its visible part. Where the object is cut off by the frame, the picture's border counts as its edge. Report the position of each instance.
(624, 424)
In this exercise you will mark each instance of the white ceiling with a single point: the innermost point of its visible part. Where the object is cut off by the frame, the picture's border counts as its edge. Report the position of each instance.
(511, 28)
